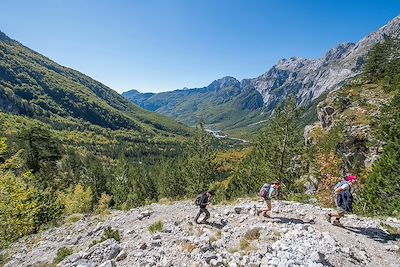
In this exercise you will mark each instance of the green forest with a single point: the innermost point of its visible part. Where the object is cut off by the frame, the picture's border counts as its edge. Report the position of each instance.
(69, 145)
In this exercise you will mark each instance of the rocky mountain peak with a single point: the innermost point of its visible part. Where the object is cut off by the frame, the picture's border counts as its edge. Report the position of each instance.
(292, 63)
(338, 52)
(308, 79)
(224, 82)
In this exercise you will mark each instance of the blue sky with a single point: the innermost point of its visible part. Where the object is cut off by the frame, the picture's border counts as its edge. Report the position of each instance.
(159, 45)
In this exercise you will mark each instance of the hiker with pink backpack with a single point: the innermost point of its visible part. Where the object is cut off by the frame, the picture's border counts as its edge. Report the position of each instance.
(343, 200)
(267, 192)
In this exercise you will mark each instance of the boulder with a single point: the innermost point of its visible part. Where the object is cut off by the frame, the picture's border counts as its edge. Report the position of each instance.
(317, 257)
(121, 256)
(107, 250)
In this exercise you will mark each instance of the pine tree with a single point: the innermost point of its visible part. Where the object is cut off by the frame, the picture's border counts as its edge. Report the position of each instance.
(276, 154)
(199, 168)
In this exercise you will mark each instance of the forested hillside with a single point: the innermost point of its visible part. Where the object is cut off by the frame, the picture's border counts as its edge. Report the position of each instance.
(35, 86)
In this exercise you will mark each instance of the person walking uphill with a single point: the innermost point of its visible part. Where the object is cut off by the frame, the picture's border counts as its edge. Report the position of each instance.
(343, 200)
(202, 201)
(267, 192)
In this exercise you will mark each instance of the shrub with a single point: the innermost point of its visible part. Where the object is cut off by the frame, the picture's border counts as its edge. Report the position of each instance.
(19, 209)
(62, 253)
(155, 227)
(77, 200)
(73, 218)
(104, 203)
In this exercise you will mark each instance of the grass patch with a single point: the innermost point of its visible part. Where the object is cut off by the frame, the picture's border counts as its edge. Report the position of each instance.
(107, 234)
(156, 227)
(187, 246)
(252, 234)
(302, 198)
(393, 231)
(3, 259)
(245, 241)
(62, 253)
(275, 236)
(73, 218)
(244, 244)
(216, 236)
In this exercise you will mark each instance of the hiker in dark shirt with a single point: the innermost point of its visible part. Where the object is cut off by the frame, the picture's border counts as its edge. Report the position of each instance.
(202, 201)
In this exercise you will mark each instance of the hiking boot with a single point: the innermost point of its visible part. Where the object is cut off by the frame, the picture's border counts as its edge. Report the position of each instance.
(258, 212)
(265, 215)
(337, 223)
(328, 217)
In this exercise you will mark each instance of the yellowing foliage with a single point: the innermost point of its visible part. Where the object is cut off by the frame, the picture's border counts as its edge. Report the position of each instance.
(329, 168)
(77, 199)
(226, 161)
(104, 203)
(18, 207)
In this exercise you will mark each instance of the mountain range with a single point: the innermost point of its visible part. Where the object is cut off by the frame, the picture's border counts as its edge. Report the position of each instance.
(241, 106)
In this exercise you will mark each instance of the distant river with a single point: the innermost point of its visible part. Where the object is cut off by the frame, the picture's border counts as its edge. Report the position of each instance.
(219, 134)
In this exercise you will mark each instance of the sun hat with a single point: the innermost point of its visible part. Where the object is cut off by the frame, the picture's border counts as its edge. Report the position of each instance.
(351, 178)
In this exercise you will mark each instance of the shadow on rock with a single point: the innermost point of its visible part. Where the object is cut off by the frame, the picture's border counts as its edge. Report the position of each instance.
(373, 233)
(290, 220)
(217, 225)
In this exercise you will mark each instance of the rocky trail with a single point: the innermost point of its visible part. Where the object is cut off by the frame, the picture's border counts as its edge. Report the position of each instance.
(295, 235)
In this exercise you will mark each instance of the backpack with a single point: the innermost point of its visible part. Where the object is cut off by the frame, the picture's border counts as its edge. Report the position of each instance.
(264, 191)
(197, 202)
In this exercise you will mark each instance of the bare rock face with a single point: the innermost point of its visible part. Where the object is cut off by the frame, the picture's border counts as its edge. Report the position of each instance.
(308, 79)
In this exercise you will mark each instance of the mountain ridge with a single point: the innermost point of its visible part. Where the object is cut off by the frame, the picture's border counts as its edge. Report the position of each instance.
(305, 79)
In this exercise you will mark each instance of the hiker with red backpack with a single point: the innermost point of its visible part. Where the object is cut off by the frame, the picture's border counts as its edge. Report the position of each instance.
(343, 200)
(202, 200)
(267, 192)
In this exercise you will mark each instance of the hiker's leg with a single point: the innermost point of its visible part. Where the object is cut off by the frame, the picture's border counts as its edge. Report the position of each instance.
(198, 215)
(328, 216)
(267, 208)
(207, 214)
(337, 214)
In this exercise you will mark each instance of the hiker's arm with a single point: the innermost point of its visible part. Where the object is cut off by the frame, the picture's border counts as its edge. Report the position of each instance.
(341, 188)
(338, 190)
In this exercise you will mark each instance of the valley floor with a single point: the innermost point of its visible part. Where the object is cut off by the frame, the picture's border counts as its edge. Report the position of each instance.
(296, 235)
